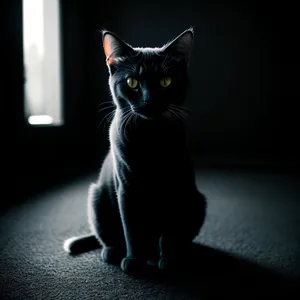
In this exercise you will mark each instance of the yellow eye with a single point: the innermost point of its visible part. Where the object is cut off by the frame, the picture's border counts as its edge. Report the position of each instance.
(166, 81)
(132, 82)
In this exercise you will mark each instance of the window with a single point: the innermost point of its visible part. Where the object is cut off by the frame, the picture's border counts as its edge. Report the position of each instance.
(42, 62)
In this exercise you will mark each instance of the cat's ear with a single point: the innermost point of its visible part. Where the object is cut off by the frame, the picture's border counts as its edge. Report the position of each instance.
(114, 47)
(182, 45)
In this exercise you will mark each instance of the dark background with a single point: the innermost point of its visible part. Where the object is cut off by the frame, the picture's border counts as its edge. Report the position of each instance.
(244, 84)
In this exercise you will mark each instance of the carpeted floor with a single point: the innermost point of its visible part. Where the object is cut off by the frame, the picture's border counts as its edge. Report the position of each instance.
(250, 245)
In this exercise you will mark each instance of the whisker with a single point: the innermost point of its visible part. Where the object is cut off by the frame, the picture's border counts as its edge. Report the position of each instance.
(183, 114)
(177, 109)
(109, 107)
(177, 115)
(127, 122)
(124, 115)
(122, 126)
(110, 118)
(106, 117)
(181, 107)
(105, 102)
(124, 122)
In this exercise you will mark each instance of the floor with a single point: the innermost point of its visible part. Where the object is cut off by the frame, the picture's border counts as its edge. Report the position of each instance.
(250, 243)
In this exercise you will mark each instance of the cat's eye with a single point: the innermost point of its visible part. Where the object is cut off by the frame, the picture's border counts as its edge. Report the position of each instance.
(132, 82)
(165, 81)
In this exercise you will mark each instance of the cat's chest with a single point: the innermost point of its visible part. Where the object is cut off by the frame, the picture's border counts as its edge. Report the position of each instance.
(153, 149)
(156, 164)
(153, 163)
(158, 140)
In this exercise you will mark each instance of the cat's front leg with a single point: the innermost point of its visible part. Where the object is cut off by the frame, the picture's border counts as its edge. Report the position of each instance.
(136, 220)
(182, 224)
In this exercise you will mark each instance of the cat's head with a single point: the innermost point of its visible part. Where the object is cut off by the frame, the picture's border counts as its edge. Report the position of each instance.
(148, 80)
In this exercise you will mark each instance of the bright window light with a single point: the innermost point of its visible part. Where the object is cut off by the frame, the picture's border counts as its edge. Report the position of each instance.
(42, 120)
(41, 46)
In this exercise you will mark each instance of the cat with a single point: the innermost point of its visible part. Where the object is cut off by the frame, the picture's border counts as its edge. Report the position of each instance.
(145, 209)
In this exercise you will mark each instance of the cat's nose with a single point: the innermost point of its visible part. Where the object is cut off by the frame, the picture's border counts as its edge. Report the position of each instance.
(147, 98)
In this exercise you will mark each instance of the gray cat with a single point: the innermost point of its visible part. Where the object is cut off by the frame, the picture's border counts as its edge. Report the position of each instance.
(145, 208)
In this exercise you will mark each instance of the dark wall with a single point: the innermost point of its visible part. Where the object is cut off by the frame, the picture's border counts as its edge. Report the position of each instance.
(244, 82)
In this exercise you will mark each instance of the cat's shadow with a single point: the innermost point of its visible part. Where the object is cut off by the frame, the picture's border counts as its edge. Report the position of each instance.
(216, 273)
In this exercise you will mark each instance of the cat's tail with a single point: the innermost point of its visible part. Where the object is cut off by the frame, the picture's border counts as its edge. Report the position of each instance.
(80, 244)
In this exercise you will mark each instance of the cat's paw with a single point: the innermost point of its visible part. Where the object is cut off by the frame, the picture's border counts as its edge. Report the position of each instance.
(111, 255)
(152, 263)
(133, 266)
(69, 244)
(172, 264)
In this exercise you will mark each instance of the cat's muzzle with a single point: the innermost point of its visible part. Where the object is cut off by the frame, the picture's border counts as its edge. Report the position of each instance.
(148, 111)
